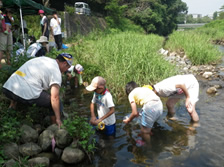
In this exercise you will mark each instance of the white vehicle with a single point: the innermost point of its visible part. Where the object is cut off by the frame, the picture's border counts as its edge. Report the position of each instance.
(82, 8)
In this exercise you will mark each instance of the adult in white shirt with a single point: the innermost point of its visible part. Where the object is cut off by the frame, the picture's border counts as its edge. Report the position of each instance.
(176, 88)
(55, 25)
(29, 84)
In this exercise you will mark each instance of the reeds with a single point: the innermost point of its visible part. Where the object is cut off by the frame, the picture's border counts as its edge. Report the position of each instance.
(126, 56)
(197, 46)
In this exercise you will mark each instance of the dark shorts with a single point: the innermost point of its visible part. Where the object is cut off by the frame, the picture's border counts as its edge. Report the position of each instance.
(110, 130)
(44, 100)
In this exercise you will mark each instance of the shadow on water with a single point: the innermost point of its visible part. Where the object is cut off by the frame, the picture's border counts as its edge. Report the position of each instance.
(173, 143)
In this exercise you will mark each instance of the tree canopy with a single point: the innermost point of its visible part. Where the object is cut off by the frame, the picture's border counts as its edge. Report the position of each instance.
(155, 16)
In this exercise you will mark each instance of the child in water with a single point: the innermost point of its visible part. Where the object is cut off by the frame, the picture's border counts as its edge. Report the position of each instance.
(176, 88)
(105, 105)
(76, 73)
(151, 110)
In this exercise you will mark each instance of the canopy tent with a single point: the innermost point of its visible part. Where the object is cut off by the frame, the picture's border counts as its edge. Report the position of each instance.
(28, 7)
(25, 7)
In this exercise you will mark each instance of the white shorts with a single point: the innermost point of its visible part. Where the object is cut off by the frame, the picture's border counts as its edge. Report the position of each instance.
(150, 113)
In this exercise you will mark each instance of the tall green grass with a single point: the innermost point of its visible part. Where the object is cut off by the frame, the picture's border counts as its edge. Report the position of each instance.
(122, 57)
(197, 46)
(214, 29)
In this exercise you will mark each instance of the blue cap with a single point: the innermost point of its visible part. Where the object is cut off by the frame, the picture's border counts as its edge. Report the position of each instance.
(67, 57)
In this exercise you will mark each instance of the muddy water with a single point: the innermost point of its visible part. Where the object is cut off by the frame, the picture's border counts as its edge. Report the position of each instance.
(173, 143)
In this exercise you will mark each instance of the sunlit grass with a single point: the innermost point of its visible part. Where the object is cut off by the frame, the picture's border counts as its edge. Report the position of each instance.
(197, 46)
(123, 57)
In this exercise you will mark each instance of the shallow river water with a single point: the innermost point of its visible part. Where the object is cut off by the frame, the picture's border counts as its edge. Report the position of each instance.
(173, 143)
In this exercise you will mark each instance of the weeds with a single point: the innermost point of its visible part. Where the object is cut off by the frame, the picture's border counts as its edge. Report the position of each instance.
(81, 131)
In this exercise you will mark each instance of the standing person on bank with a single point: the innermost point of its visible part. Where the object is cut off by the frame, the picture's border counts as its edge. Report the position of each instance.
(29, 84)
(44, 24)
(6, 41)
(176, 88)
(55, 25)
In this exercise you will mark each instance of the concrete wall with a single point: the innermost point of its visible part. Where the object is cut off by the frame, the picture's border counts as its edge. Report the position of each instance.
(81, 24)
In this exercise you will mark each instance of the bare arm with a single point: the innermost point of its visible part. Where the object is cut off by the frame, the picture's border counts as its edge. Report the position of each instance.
(183, 87)
(134, 113)
(93, 116)
(55, 102)
(105, 116)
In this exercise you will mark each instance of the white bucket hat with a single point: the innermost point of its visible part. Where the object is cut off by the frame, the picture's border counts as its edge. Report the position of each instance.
(42, 39)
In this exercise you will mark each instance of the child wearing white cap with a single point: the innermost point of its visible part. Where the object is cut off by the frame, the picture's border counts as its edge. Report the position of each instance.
(105, 105)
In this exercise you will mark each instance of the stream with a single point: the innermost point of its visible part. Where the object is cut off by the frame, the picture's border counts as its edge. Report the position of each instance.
(173, 143)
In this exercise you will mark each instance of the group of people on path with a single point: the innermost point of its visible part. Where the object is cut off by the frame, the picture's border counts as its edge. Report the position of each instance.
(35, 48)
(55, 27)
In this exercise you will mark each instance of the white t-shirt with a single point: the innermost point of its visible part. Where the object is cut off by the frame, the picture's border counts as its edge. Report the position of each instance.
(56, 27)
(33, 77)
(104, 103)
(167, 87)
(33, 49)
(142, 95)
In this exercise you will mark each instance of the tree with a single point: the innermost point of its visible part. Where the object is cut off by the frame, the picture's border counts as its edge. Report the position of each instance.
(215, 15)
(221, 14)
(156, 16)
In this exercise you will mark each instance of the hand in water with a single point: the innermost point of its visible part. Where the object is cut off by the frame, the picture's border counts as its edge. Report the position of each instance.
(126, 120)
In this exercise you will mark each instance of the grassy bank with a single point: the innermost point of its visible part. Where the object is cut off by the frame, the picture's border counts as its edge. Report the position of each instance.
(197, 44)
(122, 57)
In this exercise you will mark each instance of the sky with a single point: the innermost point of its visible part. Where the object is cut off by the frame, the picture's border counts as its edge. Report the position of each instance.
(203, 7)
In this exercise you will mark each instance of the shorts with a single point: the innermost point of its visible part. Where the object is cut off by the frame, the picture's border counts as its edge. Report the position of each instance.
(6, 42)
(150, 113)
(193, 92)
(110, 130)
(44, 100)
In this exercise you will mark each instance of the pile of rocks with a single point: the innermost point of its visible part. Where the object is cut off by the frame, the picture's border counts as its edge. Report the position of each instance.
(44, 147)
(185, 66)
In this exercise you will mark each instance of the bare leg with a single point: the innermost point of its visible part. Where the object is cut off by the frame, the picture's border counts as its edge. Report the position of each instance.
(193, 113)
(170, 106)
(1, 55)
(13, 104)
(145, 132)
(8, 58)
(76, 81)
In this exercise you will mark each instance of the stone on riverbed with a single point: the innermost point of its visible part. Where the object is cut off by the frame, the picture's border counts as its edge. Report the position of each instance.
(207, 74)
(29, 149)
(11, 150)
(28, 134)
(63, 139)
(211, 90)
(39, 161)
(45, 139)
(72, 155)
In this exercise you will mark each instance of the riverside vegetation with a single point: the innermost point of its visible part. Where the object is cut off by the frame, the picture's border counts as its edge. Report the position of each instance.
(119, 57)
